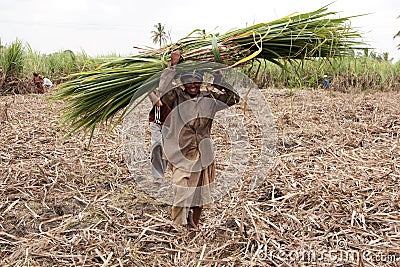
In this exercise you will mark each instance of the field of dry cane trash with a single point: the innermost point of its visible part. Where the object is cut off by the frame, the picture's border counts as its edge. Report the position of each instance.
(330, 199)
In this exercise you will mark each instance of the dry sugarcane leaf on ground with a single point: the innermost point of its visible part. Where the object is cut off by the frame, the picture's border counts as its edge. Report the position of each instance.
(333, 187)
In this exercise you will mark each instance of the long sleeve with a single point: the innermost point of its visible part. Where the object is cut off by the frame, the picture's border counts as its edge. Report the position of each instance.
(153, 98)
(166, 78)
(229, 96)
(166, 87)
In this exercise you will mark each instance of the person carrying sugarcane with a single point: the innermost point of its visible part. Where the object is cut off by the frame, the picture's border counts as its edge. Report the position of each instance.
(187, 143)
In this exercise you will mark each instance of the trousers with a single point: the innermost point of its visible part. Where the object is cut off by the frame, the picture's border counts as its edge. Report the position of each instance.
(158, 163)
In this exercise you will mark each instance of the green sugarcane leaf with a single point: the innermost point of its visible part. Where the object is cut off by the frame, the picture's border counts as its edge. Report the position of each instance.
(215, 50)
(94, 97)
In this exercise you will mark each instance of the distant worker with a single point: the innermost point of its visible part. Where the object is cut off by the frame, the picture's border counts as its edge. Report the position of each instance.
(326, 82)
(38, 80)
(2, 77)
(47, 83)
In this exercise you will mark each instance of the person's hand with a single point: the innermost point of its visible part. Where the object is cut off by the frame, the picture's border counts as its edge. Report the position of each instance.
(158, 103)
(175, 56)
(155, 100)
(218, 87)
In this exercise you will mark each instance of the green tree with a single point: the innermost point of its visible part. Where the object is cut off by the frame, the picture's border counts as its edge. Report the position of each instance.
(159, 34)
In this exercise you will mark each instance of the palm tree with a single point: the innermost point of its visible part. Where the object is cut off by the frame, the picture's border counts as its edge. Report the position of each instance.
(159, 34)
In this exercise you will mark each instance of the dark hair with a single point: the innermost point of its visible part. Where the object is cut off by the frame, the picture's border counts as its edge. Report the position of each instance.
(192, 74)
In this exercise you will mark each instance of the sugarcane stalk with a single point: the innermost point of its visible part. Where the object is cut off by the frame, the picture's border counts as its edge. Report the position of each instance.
(97, 96)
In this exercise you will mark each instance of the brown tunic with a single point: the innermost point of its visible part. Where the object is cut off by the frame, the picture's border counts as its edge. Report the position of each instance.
(187, 142)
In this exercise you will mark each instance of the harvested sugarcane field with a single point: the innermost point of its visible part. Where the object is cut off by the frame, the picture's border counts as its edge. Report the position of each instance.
(272, 143)
(331, 195)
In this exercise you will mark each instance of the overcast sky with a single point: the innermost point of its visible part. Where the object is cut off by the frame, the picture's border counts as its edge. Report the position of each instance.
(101, 27)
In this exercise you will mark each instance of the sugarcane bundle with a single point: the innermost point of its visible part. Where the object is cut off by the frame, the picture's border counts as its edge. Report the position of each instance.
(97, 96)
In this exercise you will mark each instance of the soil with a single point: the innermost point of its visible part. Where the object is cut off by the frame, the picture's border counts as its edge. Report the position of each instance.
(331, 196)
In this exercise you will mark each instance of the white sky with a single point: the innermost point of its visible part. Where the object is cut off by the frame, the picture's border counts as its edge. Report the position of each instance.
(101, 27)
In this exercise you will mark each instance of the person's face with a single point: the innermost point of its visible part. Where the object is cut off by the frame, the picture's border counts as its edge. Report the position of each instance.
(192, 86)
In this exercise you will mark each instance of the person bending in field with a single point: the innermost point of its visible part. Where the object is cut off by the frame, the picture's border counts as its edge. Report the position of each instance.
(187, 143)
(38, 80)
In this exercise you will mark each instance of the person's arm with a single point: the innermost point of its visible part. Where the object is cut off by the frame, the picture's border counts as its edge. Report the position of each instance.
(155, 100)
(227, 95)
(168, 74)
